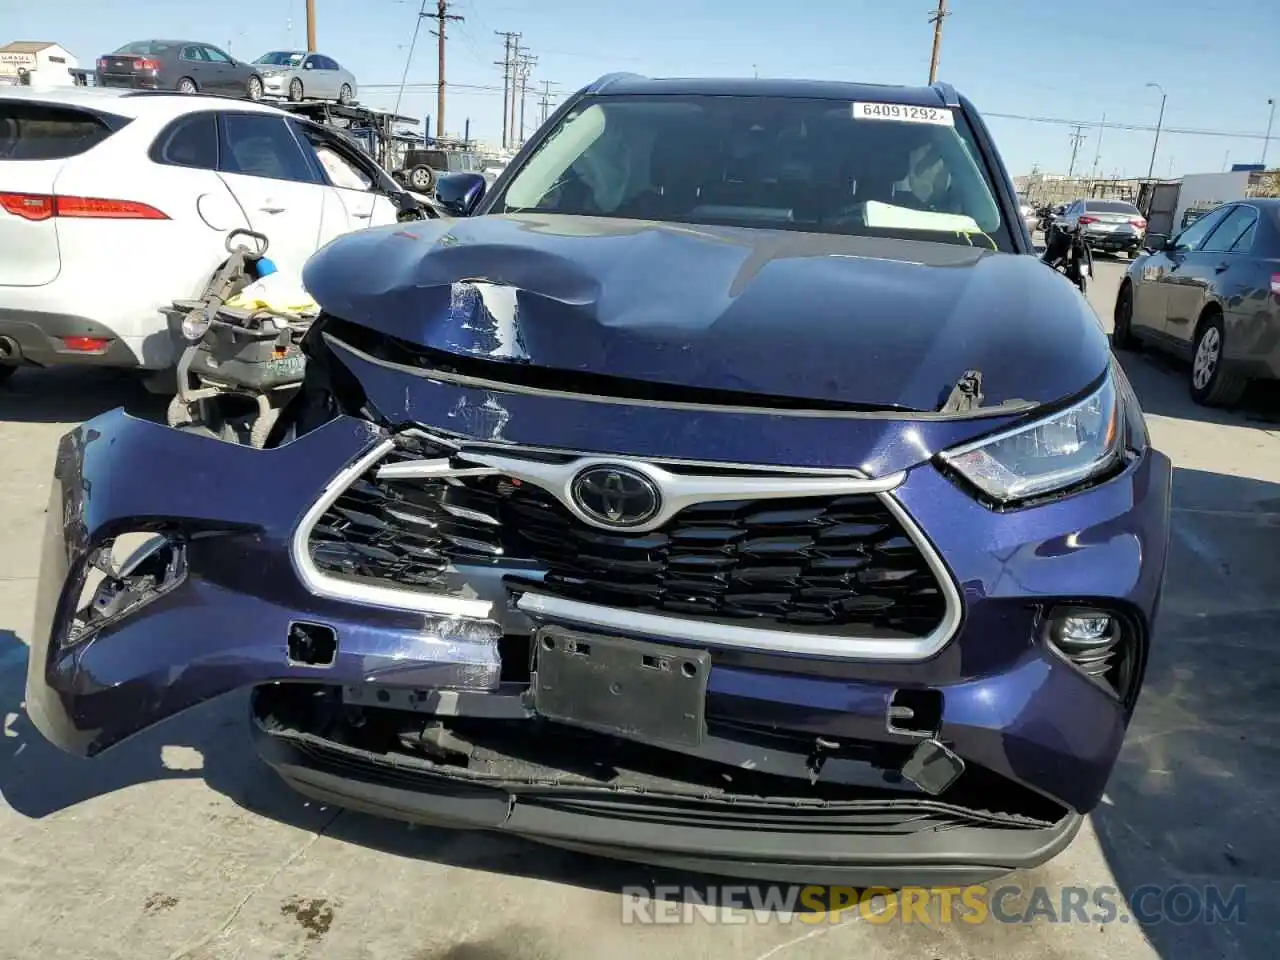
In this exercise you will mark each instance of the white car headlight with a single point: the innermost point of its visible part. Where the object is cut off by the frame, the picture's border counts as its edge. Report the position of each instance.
(1052, 454)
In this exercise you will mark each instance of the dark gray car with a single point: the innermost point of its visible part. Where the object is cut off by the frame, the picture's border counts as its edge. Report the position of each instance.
(187, 66)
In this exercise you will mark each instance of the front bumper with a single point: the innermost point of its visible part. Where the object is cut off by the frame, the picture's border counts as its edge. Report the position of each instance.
(1009, 706)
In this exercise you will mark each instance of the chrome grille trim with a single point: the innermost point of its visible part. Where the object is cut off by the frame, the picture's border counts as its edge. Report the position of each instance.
(704, 634)
(692, 490)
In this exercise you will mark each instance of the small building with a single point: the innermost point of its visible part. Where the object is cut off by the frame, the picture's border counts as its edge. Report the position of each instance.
(37, 63)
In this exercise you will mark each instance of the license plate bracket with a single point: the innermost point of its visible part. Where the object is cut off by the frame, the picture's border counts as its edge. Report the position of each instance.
(634, 689)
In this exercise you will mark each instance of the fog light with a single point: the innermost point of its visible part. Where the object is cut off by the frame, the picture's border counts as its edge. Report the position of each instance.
(1098, 644)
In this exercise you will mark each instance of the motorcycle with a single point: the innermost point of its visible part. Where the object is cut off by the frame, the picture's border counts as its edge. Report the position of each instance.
(238, 368)
(1069, 254)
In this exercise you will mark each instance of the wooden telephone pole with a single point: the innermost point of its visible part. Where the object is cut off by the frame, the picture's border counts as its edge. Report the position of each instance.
(524, 65)
(442, 17)
(311, 26)
(508, 77)
(936, 19)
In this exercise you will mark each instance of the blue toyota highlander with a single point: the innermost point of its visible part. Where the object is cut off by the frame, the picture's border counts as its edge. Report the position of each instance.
(728, 486)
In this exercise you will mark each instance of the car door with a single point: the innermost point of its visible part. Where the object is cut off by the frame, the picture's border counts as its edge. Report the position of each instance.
(278, 187)
(1209, 273)
(220, 66)
(1182, 285)
(359, 181)
(317, 81)
(1164, 270)
(193, 63)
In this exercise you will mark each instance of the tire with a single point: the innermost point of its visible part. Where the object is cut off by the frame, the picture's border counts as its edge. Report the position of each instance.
(421, 177)
(1122, 337)
(344, 94)
(187, 85)
(253, 89)
(1211, 384)
(295, 90)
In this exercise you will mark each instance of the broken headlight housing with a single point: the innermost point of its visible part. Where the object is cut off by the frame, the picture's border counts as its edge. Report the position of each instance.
(1061, 451)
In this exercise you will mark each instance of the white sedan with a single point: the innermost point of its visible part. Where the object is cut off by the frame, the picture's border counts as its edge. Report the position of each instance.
(114, 203)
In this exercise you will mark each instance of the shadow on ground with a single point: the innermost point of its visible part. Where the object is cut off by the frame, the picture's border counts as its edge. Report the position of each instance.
(68, 395)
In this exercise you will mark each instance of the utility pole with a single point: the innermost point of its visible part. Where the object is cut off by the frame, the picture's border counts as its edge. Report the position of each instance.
(545, 102)
(511, 108)
(1077, 137)
(311, 26)
(1159, 124)
(936, 19)
(442, 17)
(526, 63)
(1266, 143)
(1097, 155)
(508, 37)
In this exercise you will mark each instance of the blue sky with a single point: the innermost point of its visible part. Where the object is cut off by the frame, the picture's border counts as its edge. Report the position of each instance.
(1215, 59)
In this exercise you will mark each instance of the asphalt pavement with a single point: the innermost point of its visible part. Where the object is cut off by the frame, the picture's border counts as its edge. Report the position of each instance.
(180, 844)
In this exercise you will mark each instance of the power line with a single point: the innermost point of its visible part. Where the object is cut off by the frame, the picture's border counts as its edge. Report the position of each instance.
(936, 19)
(417, 25)
(442, 17)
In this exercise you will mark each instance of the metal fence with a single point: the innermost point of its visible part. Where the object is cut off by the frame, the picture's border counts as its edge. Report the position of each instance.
(1063, 190)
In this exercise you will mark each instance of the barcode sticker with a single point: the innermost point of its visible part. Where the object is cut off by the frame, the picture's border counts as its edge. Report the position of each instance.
(904, 113)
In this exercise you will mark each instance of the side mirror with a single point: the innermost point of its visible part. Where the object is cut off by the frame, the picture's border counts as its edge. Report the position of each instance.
(460, 193)
(308, 65)
(1156, 242)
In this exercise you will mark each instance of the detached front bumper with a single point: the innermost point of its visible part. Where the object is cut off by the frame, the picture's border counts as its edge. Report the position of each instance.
(1016, 712)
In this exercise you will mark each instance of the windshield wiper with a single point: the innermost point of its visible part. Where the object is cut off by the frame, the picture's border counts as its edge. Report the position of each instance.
(966, 397)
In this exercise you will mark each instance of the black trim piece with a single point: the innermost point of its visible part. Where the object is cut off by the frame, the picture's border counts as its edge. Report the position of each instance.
(875, 846)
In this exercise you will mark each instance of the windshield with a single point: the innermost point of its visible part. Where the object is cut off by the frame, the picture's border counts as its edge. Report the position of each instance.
(1110, 206)
(784, 163)
(282, 58)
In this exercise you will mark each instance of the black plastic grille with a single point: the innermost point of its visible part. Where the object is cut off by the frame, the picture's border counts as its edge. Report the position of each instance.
(839, 564)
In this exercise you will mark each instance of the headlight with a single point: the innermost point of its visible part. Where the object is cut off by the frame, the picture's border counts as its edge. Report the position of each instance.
(1053, 454)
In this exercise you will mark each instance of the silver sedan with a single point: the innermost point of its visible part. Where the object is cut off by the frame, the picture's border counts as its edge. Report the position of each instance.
(299, 75)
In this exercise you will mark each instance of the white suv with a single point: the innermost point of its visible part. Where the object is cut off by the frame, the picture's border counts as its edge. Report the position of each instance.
(115, 203)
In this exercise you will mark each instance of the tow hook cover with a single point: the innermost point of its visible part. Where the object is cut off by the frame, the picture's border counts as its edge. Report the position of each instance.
(932, 767)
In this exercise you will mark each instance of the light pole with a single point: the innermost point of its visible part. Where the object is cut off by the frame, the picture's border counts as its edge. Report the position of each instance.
(1266, 143)
(1159, 124)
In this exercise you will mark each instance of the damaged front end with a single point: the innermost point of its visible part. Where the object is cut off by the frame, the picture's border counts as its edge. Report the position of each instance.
(694, 625)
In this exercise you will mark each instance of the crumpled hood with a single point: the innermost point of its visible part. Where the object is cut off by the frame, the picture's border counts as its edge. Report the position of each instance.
(848, 320)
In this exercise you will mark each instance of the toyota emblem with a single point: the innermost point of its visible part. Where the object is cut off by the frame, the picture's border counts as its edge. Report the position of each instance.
(615, 496)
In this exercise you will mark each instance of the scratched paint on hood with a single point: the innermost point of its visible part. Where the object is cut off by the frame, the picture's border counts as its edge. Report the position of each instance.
(484, 319)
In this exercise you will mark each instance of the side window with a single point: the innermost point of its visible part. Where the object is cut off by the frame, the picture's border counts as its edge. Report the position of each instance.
(1232, 229)
(190, 141)
(324, 63)
(1245, 243)
(263, 146)
(1194, 236)
(216, 55)
(194, 53)
(331, 64)
(340, 165)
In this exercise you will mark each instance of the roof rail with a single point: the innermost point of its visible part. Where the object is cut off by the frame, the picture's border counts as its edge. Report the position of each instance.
(609, 78)
(948, 94)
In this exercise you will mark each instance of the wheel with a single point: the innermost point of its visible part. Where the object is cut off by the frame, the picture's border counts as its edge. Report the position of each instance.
(254, 88)
(344, 93)
(295, 89)
(1212, 384)
(6, 373)
(187, 85)
(1122, 337)
(421, 177)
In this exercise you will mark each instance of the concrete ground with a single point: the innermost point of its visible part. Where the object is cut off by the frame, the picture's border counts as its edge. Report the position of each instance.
(182, 845)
